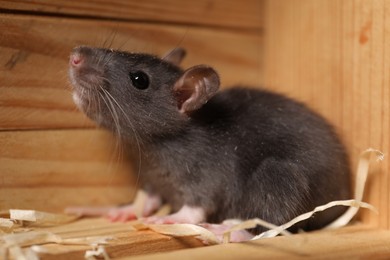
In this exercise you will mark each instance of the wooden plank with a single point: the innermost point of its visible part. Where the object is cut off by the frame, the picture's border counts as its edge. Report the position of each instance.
(34, 87)
(335, 55)
(51, 170)
(124, 240)
(347, 243)
(54, 198)
(221, 13)
(353, 242)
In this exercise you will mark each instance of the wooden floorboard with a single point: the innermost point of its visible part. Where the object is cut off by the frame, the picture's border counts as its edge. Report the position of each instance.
(126, 242)
(123, 240)
(346, 243)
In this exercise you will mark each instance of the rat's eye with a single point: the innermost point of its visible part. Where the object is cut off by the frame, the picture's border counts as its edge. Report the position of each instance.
(139, 79)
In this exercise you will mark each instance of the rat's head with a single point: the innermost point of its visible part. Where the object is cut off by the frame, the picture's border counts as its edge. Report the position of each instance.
(138, 94)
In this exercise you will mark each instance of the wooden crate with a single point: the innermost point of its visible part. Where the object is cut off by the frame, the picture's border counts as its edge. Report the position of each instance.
(332, 54)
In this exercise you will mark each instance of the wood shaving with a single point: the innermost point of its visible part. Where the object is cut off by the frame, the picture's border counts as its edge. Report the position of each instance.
(18, 253)
(276, 231)
(139, 202)
(43, 237)
(98, 252)
(29, 238)
(6, 225)
(39, 218)
(39, 249)
(30, 254)
(361, 178)
(88, 241)
(12, 242)
(164, 210)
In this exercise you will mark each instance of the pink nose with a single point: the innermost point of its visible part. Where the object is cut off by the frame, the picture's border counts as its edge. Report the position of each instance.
(76, 59)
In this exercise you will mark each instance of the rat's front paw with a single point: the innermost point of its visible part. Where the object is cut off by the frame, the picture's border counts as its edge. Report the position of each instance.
(144, 205)
(113, 213)
(122, 214)
(89, 211)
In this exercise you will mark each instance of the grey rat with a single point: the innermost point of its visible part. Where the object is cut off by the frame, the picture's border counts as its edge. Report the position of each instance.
(213, 155)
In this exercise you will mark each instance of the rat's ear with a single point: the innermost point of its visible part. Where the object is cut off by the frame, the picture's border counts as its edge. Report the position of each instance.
(195, 87)
(175, 56)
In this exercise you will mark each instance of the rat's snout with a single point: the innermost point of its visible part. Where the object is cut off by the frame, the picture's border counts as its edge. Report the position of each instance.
(79, 55)
(85, 71)
(76, 59)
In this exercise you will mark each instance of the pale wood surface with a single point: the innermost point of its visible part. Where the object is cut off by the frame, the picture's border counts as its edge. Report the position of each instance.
(34, 88)
(51, 170)
(353, 242)
(347, 243)
(224, 13)
(335, 55)
(124, 240)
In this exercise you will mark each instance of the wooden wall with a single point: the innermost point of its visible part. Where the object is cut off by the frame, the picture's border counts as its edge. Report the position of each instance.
(51, 156)
(335, 55)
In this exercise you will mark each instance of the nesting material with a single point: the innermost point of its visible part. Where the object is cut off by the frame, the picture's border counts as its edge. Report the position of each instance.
(361, 178)
(15, 242)
(99, 252)
(25, 245)
(39, 218)
(42, 237)
(6, 225)
(186, 230)
(16, 252)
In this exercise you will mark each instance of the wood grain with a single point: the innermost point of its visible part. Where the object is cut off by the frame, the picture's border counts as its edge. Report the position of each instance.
(124, 240)
(221, 13)
(34, 88)
(347, 243)
(335, 55)
(51, 170)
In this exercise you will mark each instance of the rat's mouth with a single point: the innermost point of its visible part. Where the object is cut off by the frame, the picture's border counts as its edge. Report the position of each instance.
(87, 78)
(89, 102)
(83, 98)
(80, 102)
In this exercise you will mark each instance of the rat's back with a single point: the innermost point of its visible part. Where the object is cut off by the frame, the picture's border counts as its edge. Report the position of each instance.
(287, 159)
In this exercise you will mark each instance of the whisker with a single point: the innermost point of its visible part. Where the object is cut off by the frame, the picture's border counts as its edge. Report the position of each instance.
(113, 113)
(136, 136)
(118, 146)
(113, 33)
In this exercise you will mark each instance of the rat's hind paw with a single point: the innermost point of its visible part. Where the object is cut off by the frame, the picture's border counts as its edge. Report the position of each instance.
(219, 229)
(186, 215)
(144, 204)
(122, 214)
